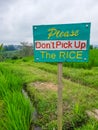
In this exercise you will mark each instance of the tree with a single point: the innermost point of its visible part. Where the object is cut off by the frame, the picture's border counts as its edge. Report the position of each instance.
(1, 48)
(91, 46)
(9, 48)
(26, 49)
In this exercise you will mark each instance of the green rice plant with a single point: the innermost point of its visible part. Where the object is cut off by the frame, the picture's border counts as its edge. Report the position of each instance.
(17, 109)
(91, 124)
(17, 112)
(86, 77)
(45, 106)
(9, 81)
(80, 116)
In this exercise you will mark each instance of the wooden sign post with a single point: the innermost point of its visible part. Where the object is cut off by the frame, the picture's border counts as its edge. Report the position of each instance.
(61, 43)
(60, 96)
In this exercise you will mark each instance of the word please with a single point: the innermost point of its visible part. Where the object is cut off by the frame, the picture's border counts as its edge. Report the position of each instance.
(53, 32)
(61, 45)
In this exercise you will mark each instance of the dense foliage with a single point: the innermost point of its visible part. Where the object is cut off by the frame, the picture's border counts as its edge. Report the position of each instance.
(15, 111)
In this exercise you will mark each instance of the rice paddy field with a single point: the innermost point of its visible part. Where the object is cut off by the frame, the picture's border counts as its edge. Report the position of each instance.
(39, 80)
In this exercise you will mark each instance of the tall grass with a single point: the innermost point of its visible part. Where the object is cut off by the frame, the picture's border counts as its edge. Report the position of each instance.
(16, 108)
(88, 77)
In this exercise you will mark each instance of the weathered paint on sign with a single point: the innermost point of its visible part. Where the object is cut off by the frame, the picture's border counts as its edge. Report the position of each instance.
(61, 43)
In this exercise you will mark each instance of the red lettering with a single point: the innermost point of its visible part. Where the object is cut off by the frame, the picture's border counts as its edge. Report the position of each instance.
(76, 45)
(38, 44)
(83, 45)
(43, 45)
(69, 44)
(52, 44)
(58, 43)
(64, 45)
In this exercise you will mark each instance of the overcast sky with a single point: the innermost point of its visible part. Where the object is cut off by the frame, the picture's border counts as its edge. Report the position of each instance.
(18, 16)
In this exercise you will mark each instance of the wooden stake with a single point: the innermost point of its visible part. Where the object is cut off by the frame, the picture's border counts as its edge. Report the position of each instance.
(59, 96)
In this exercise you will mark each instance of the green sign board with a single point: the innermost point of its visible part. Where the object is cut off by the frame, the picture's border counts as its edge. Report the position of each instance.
(61, 43)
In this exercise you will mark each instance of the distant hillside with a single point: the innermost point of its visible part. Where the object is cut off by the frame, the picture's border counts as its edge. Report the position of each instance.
(12, 47)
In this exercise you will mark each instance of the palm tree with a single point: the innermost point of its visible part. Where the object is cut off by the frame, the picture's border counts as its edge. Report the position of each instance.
(1, 48)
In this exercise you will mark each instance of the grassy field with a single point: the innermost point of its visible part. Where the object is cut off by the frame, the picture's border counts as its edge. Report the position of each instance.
(15, 110)
(80, 93)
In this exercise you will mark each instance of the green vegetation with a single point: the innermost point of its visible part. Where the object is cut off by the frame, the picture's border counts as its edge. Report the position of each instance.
(15, 110)
(80, 93)
(93, 61)
(15, 51)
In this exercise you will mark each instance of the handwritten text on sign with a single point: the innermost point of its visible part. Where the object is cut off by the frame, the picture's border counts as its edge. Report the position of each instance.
(61, 43)
(58, 33)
